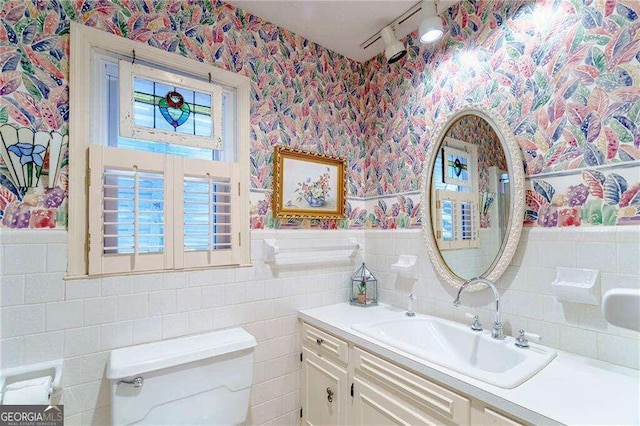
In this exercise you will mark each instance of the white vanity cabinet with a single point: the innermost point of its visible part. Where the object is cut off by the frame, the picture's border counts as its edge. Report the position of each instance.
(325, 387)
(345, 384)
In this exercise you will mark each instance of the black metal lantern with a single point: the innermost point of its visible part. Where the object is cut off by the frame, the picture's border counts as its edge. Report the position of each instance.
(364, 288)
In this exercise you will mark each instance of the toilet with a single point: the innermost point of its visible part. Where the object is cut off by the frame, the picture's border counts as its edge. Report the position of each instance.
(203, 379)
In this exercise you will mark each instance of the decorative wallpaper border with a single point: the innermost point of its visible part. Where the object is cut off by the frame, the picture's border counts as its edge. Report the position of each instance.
(392, 212)
(600, 198)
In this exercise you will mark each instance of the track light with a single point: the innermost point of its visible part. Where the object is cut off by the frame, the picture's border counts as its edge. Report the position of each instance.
(430, 28)
(394, 49)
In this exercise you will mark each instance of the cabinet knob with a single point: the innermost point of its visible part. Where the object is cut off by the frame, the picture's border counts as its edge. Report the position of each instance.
(329, 395)
(319, 341)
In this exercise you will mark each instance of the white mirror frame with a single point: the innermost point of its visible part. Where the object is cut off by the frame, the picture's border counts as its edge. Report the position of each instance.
(516, 188)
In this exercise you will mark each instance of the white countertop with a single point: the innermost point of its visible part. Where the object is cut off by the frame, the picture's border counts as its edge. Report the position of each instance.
(572, 390)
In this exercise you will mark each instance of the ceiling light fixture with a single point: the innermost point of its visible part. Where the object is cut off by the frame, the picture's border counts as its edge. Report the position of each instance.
(430, 28)
(394, 50)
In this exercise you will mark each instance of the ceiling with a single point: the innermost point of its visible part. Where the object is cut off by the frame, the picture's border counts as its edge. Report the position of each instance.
(339, 25)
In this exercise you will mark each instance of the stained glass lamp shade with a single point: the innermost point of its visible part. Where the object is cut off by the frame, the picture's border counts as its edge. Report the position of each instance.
(25, 151)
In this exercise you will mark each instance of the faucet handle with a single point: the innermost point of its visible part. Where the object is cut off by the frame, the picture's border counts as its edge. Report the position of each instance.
(522, 341)
(475, 325)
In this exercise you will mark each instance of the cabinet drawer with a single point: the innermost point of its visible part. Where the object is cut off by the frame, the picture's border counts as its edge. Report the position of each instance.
(417, 390)
(494, 418)
(324, 344)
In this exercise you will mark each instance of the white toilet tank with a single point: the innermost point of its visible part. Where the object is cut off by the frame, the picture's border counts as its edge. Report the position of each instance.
(204, 379)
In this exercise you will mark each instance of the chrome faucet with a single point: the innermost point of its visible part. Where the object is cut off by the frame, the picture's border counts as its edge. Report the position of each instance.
(410, 312)
(498, 330)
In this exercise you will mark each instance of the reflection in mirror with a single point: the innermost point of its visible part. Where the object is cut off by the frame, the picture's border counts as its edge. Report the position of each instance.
(469, 227)
(470, 196)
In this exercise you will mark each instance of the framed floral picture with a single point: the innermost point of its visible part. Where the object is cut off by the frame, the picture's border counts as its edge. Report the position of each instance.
(308, 185)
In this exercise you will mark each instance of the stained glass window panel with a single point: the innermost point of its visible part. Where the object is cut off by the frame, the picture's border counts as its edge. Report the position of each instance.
(170, 108)
(459, 163)
(115, 140)
(457, 167)
(165, 107)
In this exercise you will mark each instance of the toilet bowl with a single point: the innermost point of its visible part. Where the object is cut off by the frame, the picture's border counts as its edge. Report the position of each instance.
(204, 379)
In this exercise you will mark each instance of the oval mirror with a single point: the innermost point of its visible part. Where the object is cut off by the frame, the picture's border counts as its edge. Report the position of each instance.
(472, 196)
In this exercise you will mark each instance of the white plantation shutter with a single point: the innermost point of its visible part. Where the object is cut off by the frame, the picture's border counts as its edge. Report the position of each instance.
(457, 220)
(208, 214)
(129, 193)
(469, 223)
(153, 212)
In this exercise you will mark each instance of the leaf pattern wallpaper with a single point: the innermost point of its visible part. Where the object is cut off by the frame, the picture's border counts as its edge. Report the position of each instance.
(564, 73)
(303, 95)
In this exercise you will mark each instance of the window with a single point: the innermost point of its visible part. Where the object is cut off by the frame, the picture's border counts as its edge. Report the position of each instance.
(165, 160)
(457, 218)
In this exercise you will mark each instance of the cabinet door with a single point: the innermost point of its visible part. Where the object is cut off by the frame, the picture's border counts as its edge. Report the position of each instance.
(418, 399)
(373, 406)
(325, 391)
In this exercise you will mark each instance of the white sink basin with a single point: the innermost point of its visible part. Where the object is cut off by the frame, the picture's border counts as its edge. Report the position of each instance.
(457, 347)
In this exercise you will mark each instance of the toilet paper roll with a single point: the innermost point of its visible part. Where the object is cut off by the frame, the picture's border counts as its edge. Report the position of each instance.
(34, 391)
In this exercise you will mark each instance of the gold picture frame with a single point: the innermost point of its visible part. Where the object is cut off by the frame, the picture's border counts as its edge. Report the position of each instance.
(307, 185)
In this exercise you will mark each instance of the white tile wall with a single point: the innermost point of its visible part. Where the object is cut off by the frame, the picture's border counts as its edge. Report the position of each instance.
(147, 330)
(526, 297)
(100, 310)
(12, 290)
(18, 258)
(44, 317)
(63, 315)
(22, 319)
(41, 288)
